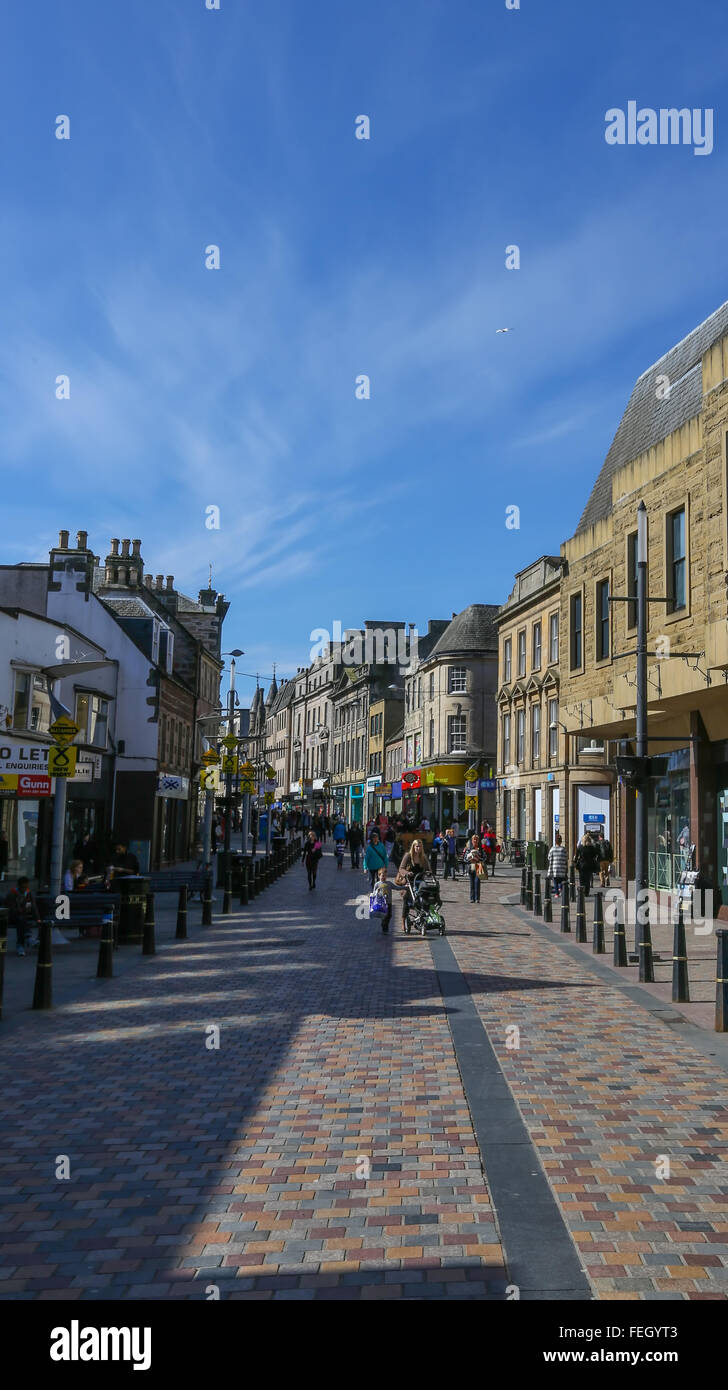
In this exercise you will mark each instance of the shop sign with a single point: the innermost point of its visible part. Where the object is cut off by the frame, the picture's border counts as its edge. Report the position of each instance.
(373, 782)
(8, 783)
(385, 789)
(30, 785)
(23, 757)
(590, 819)
(487, 784)
(357, 791)
(396, 791)
(91, 761)
(170, 785)
(411, 780)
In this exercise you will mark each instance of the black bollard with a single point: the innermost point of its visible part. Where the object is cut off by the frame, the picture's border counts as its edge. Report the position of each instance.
(529, 888)
(181, 932)
(537, 907)
(207, 901)
(148, 947)
(227, 897)
(43, 991)
(244, 897)
(680, 982)
(523, 886)
(565, 922)
(598, 926)
(572, 884)
(721, 981)
(3, 951)
(547, 909)
(580, 916)
(644, 941)
(105, 967)
(619, 956)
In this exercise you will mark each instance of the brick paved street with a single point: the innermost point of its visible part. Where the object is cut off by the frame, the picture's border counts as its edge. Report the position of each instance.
(328, 1149)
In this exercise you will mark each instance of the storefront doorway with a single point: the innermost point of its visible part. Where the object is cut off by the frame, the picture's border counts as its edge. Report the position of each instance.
(668, 821)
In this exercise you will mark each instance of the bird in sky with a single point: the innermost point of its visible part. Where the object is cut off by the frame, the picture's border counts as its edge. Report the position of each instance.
(504, 330)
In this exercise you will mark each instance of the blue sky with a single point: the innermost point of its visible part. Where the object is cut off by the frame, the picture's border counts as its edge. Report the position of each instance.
(235, 388)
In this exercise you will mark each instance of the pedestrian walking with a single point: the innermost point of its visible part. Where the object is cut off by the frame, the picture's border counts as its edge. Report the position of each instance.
(311, 854)
(450, 853)
(22, 911)
(606, 859)
(389, 839)
(438, 842)
(557, 866)
(489, 844)
(356, 840)
(475, 860)
(586, 861)
(375, 857)
(380, 900)
(412, 864)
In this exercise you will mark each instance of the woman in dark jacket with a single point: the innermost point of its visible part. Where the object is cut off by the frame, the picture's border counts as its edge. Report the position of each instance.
(586, 862)
(311, 855)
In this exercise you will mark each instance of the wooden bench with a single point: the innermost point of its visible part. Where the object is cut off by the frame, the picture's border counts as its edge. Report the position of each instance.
(171, 880)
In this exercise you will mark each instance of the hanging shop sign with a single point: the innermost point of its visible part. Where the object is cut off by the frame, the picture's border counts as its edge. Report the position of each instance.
(411, 780)
(170, 785)
(357, 791)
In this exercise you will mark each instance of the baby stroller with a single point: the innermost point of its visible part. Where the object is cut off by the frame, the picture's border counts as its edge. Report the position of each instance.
(422, 906)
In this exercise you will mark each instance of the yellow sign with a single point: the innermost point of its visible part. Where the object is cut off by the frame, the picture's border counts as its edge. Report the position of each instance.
(247, 785)
(210, 759)
(208, 780)
(229, 763)
(229, 741)
(269, 798)
(247, 770)
(62, 762)
(63, 729)
(8, 783)
(429, 778)
(472, 774)
(270, 773)
(471, 803)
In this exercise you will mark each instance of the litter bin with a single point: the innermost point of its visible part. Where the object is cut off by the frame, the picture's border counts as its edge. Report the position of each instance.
(133, 889)
(537, 854)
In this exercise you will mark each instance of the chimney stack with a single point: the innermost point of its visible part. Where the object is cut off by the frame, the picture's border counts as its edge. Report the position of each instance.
(81, 540)
(170, 583)
(63, 540)
(114, 546)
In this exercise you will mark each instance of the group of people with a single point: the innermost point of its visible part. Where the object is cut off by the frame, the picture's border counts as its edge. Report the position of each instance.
(594, 855)
(83, 872)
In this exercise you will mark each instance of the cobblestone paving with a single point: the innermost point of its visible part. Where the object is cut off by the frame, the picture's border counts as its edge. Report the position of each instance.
(606, 1090)
(244, 1167)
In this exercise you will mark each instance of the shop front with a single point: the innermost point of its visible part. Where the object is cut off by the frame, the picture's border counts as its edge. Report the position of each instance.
(668, 820)
(356, 797)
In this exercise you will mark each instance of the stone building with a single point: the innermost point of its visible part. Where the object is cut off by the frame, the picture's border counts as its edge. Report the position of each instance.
(670, 452)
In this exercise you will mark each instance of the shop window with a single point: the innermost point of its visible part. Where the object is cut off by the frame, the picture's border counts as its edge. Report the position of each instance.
(676, 559)
(456, 733)
(576, 631)
(457, 680)
(602, 618)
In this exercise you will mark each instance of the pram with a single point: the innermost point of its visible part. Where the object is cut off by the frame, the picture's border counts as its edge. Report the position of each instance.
(422, 906)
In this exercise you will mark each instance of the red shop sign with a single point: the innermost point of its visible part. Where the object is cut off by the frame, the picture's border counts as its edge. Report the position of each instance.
(31, 784)
(411, 780)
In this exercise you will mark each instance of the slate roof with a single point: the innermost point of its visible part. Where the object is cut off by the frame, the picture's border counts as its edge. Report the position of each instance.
(473, 630)
(127, 607)
(647, 419)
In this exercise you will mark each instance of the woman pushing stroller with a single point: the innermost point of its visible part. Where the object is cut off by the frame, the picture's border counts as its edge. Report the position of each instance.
(414, 865)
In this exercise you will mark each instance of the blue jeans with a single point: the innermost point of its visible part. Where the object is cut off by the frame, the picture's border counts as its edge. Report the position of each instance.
(474, 887)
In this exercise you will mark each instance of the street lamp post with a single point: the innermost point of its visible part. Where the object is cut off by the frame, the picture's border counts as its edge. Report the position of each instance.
(228, 775)
(643, 933)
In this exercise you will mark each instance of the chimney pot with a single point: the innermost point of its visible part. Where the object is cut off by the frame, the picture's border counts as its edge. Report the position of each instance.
(148, 580)
(114, 546)
(63, 540)
(125, 547)
(81, 540)
(136, 547)
(159, 581)
(170, 583)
